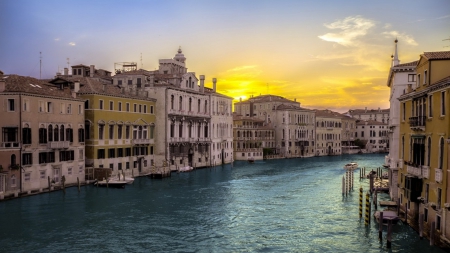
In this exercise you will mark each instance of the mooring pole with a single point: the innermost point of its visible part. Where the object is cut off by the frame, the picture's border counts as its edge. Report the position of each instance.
(421, 226)
(360, 202)
(380, 226)
(389, 234)
(367, 220)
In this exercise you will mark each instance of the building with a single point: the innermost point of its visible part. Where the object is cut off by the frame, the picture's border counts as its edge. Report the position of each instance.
(381, 115)
(348, 133)
(294, 125)
(423, 148)
(43, 138)
(193, 122)
(328, 133)
(400, 77)
(374, 134)
(253, 138)
(119, 122)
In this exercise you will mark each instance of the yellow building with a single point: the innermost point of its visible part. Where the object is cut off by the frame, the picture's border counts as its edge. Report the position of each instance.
(424, 134)
(119, 123)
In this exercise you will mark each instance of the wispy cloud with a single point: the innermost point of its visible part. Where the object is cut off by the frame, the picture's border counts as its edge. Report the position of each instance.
(447, 16)
(352, 28)
(57, 39)
(72, 44)
(401, 36)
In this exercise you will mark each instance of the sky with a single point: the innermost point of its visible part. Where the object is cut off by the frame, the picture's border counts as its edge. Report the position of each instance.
(325, 54)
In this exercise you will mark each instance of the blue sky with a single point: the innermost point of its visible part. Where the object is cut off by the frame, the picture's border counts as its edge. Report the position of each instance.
(327, 54)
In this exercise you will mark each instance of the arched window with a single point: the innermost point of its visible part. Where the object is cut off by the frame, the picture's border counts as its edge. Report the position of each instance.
(13, 159)
(56, 133)
(180, 103)
(190, 103)
(13, 180)
(429, 151)
(199, 105)
(50, 133)
(441, 153)
(61, 133)
(172, 101)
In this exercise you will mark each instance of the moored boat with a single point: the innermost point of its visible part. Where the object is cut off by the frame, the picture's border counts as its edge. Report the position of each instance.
(351, 166)
(185, 169)
(114, 183)
(387, 215)
(251, 160)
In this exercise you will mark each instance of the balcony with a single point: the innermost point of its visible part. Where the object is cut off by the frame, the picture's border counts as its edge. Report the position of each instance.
(438, 175)
(421, 172)
(58, 144)
(10, 145)
(142, 141)
(417, 123)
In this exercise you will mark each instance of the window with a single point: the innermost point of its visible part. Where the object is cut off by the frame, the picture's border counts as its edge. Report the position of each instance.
(130, 82)
(80, 110)
(120, 106)
(119, 132)
(151, 109)
(120, 166)
(145, 108)
(430, 106)
(425, 77)
(46, 157)
(69, 171)
(81, 135)
(67, 155)
(10, 134)
(127, 132)
(101, 129)
(418, 80)
(135, 107)
(42, 135)
(127, 165)
(101, 104)
(87, 132)
(69, 109)
(49, 107)
(27, 177)
(128, 107)
(119, 82)
(111, 105)
(86, 104)
(441, 153)
(443, 103)
(111, 132)
(403, 111)
(140, 108)
(61, 138)
(26, 105)
(11, 105)
(127, 151)
(41, 106)
(62, 108)
(111, 153)
(172, 102)
(42, 174)
(120, 152)
(26, 135)
(27, 158)
(411, 77)
(101, 154)
(139, 82)
(69, 135)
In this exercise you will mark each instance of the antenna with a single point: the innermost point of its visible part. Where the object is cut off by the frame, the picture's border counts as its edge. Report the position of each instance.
(40, 64)
(445, 40)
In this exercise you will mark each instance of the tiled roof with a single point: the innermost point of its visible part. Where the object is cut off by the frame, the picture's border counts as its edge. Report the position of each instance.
(368, 111)
(291, 107)
(437, 55)
(267, 98)
(408, 64)
(328, 113)
(26, 84)
(247, 118)
(370, 122)
(92, 86)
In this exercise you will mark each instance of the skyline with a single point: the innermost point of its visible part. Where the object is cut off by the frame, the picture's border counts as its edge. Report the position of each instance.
(326, 55)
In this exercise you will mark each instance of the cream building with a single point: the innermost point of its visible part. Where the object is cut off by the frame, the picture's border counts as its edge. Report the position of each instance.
(374, 134)
(381, 115)
(328, 133)
(44, 135)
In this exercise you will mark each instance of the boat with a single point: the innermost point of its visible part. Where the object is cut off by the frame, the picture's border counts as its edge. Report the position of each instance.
(185, 169)
(351, 166)
(114, 183)
(251, 160)
(387, 215)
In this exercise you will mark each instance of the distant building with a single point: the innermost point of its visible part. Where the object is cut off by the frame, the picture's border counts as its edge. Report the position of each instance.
(42, 138)
(294, 125)
(251, 137)
(380, 115)
(374, 134)
(328, 133)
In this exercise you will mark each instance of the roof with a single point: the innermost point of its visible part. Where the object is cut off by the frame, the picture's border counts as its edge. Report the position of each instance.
(370, 122)
(291, 107)
(31, 85)
(247, 118)
(437, 55)
(267, 98)
(329, 113)
(92, 86)
(408, 64)
(368, 111)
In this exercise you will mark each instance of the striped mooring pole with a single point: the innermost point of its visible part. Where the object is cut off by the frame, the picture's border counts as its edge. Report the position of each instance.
(360, 202)
(367, 218)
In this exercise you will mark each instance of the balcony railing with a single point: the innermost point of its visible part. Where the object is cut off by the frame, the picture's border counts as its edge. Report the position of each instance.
(10, 145)
(142, 141)
(58, 144)
(438, 175)
(418, 121)
(422, 171)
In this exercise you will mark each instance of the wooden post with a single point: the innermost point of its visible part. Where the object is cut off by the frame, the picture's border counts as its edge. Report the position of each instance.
(421, 226)
(389, 234)
(343, 185)
(360, 202)
(107, 183)
(49, 184)
(63, 181)
(398, 207)
(78, 182)
(375, 198)
(367, 213)
(432, 233)
(380, 226)
(371, 183)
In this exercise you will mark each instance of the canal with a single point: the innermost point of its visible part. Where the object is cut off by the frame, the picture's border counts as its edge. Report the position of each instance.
(289, 205)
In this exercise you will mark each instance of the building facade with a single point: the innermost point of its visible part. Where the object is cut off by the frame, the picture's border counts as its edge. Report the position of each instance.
(381, 115)
(43, 138)
(424, 134)
(328, 133)
(374, 134)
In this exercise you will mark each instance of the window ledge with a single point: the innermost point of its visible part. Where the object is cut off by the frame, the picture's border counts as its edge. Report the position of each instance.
(442, 117)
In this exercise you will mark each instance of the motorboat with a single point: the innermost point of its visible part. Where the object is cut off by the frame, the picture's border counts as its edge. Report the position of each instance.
(387, 215)
(351, 166)
(185, 169)
(114, 183)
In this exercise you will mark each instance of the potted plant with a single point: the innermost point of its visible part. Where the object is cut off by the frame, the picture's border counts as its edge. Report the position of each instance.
(14, 166)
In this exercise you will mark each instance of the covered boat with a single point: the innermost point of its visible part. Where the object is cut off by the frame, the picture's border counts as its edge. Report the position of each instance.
(351, 166)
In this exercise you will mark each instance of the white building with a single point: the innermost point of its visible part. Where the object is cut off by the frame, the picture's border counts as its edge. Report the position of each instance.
(381, 115)
(400, 77)
(294, 125)
(328, 133)
(193, 122)
(374, 133)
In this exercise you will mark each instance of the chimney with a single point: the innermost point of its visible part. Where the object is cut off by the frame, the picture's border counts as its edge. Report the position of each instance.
(379, 109)
(92, 70)
(365, 110)
(2, 85)
(76, 86)
(240, 99)
(214, 84)
(202, 83)
(66, 71)
(295, 100)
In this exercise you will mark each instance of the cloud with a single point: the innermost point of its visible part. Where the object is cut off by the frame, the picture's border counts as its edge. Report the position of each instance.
(401, 37)
(448, 16)
(57, 39)
(72, 44)
(387, 26)
(352, 28)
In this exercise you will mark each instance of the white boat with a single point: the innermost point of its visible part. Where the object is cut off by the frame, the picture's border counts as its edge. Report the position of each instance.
(351, 166)
(185, 169)
(128, 180)
(114, 183)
